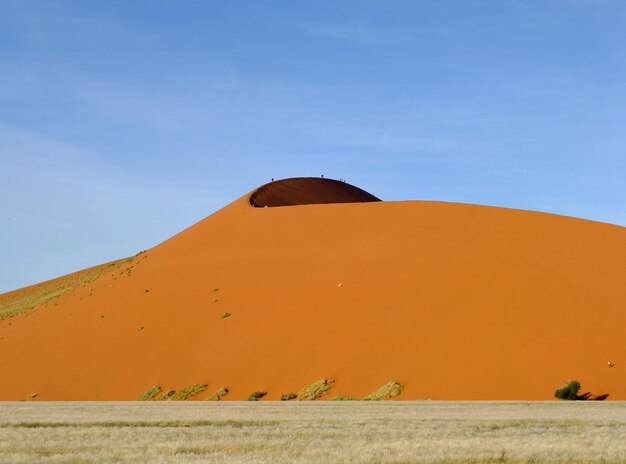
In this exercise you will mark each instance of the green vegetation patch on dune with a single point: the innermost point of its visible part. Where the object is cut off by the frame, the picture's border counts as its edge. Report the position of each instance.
(218, 394)
(570, 392)
(18, 301)
(386, 392)
(256, 396)
(188, 392)
(315, 390)
(166, 395)
(150, 393)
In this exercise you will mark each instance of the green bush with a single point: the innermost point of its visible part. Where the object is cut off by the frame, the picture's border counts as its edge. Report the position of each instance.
(188, 392)
(150, 393)
(570, 392)
(386, 392)
(315, 390)
(256, 396)
(166, 395)
(217, 396)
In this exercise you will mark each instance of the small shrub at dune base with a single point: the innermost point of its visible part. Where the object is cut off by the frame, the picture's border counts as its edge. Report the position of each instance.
(166, 395)
(344, 398)
(386, 392)
(315, 390)
(188, 392)
(570, 393)
(218, 394)
(150, 393)
(256, 396)
(287, 396)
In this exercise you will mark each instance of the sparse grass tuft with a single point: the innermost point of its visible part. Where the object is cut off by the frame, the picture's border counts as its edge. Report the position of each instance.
(27, 298)
(345, 398)
(256, 396)
(141, 423)
(288, 396)
(166, 395)
(315, 390)
(218, 394)
(188, 392)
(386, 392)
(150, 393)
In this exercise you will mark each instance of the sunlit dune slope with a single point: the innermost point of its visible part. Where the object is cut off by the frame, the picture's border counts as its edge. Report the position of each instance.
(454, 301)
(23, 299)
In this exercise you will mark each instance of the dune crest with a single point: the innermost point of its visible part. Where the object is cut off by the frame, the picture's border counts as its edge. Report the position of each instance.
(451, 301)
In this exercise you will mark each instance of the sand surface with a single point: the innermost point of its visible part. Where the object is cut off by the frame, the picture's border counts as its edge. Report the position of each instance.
(454, 301)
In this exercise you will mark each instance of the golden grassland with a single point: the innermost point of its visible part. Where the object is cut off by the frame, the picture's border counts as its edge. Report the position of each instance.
(313, 432)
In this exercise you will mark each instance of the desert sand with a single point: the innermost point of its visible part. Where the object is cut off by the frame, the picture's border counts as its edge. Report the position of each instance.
(454, 301)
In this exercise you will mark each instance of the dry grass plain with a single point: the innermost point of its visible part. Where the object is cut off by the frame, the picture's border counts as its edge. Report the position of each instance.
(313, 432)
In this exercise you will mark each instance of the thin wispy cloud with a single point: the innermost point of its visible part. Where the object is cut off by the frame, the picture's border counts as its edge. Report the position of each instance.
(344, 31)
(590, 2)
(43, 22)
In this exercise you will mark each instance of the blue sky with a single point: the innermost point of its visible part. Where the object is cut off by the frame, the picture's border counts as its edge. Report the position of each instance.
(122, 123)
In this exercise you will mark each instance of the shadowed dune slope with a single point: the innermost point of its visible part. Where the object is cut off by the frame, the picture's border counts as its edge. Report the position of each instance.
(454, 301)
(308, 191)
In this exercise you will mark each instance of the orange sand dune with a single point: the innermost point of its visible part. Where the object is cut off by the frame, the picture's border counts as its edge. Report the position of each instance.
(454, 301)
